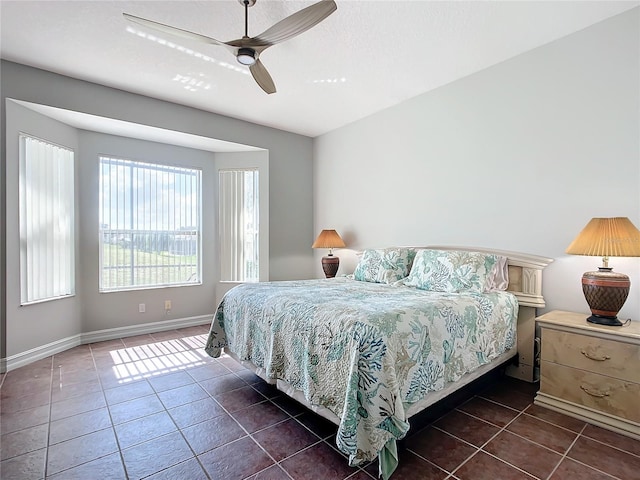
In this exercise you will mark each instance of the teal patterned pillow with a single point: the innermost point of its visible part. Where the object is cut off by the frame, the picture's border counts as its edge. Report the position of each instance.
(386, 265)
(451, 271)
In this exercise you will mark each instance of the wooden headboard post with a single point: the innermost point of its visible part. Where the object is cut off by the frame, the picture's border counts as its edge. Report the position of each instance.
(525, 282)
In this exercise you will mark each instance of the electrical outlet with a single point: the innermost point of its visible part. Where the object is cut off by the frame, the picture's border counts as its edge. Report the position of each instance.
(167, 305)
(142, 308)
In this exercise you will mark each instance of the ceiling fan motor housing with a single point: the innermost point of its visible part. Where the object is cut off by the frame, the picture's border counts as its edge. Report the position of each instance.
(246, 56)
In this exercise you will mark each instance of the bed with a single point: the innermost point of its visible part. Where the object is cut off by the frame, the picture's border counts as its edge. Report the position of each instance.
(370, 350)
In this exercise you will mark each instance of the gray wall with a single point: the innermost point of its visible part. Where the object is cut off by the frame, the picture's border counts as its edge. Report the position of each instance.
(519, 156)
(290, 202)
(38, 324)
(101, 311)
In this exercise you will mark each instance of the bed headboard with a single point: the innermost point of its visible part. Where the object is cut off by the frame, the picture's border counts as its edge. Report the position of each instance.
(525, 273)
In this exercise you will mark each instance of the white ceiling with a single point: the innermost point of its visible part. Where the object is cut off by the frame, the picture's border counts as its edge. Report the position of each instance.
(366, 56)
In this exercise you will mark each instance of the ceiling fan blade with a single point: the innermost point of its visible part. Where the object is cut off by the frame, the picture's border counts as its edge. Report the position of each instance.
(173, 30)
(296, 24)
(262, 77)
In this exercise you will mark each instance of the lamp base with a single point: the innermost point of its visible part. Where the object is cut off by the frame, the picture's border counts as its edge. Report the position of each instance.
(611, 322)
(330, 266)
(605, 292)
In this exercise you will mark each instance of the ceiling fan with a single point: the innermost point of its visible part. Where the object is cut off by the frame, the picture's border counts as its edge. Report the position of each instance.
(247, 49)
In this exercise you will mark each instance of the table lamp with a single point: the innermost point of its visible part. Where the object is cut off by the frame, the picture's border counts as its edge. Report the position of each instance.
(329, 239)
(605, 290)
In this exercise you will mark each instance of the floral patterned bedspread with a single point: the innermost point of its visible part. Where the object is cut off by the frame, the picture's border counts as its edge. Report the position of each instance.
(365, 351)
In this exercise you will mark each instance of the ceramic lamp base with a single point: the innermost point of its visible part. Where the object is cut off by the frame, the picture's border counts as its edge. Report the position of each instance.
(330, 266)
(605, 292)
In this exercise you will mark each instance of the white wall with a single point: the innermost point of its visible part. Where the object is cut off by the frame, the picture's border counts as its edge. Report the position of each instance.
(518, 157)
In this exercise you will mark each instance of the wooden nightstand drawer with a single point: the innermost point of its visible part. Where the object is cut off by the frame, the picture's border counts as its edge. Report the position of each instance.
(599, 392)
(606, 357)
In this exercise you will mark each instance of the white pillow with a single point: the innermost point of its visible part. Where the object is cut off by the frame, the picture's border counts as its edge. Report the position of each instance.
(498, 279)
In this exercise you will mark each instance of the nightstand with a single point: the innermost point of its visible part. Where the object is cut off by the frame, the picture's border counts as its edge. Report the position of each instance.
(591, 372)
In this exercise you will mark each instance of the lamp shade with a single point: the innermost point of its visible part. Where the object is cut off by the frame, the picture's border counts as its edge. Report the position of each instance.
(607, 237)
(328, 239)
(605, 290)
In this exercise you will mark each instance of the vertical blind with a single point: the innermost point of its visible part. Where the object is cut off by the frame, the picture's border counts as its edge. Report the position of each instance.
(46, 220)
(149, 224)
(239, 225)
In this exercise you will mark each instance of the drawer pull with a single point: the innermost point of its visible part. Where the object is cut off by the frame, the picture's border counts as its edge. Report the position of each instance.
(597, 359)
(594, 393)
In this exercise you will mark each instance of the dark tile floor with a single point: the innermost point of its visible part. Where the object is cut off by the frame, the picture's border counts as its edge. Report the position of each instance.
(157, 407)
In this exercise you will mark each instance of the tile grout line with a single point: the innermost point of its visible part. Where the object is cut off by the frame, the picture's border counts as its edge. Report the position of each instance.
(113, 427)
(179, 429)
(120, 448)
(579, 433)
(46, 453)
(290, 417)
(523, 412)
(481, 447)
(478, 449)
(432, 424)
(244, 429)
(431, 463)
(565, 455)
(536, 443)
(548, 422)
(606, 444)
(165, 410)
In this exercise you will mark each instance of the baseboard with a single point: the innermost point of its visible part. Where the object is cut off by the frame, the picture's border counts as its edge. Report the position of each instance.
(24, 358)
(133, 330)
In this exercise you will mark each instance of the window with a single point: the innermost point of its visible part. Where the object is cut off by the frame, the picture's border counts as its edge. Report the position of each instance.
(46, 221)
(239, 225)
(149, 225)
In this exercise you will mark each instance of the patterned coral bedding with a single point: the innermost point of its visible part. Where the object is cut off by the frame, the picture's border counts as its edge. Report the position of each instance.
(364, 351)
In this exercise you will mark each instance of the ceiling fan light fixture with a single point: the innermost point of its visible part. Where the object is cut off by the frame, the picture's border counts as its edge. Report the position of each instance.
(246, 56)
